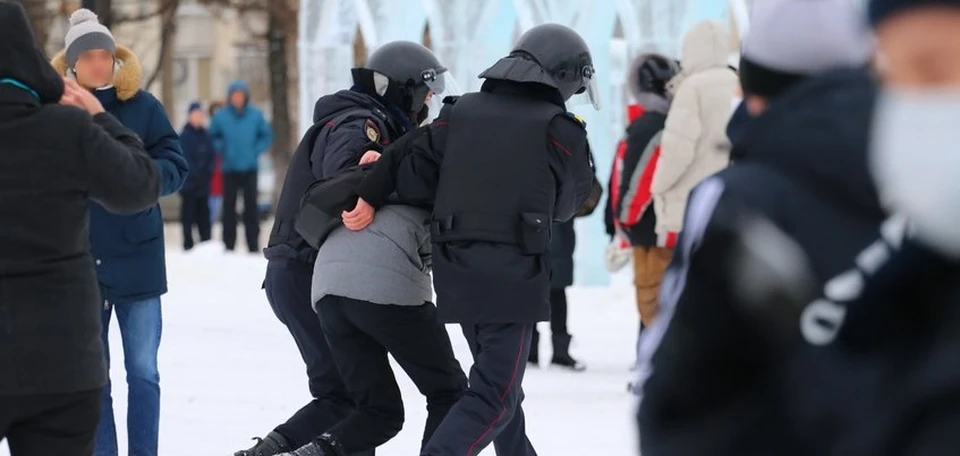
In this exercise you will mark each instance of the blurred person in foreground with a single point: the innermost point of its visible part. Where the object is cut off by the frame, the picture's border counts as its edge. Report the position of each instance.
(240, 135)
(128, 250)
(195, 193)
(903, 321)
(722, 375)
(54, 160)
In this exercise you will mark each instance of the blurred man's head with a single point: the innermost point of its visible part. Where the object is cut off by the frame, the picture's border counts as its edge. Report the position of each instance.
(90, 50)
(915, 140)
(238, 95)
(919, 41)
(238, 99)
(196, 116)
(791, 41)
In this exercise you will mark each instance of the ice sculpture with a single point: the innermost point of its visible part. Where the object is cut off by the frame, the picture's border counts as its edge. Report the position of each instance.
(469, 35)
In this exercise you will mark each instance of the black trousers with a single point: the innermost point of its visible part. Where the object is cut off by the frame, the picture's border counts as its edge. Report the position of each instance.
(194, 211)
(288, 289)
(233, 184)
(558, 326)
(55, 424)
(490, 411)
(361, 334)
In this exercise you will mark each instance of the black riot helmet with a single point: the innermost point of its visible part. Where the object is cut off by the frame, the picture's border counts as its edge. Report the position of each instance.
(403, 72)
(553, 55)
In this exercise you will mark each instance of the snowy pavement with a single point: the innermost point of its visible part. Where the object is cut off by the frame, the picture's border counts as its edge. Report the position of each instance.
(230, 371)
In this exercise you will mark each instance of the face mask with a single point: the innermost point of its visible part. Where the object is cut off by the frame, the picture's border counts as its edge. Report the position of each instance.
(915, 159)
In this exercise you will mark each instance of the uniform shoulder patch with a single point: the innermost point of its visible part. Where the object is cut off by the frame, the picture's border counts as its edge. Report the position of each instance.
(371, 130)
(452, 99)
(579, 120)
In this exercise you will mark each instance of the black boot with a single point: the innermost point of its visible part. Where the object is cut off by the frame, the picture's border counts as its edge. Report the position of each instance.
(561, 354)
(534, 358)
(271, 445)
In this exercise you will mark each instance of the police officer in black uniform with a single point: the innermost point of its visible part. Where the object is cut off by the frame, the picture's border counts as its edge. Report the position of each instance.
(387, 100)
(500, 165)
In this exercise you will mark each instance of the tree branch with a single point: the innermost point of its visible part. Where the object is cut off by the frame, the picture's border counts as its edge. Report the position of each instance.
(168, 27)
(165, 8)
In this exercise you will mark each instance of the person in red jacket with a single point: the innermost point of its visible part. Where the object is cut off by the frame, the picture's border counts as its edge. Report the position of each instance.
(216, 182)
(631, 201)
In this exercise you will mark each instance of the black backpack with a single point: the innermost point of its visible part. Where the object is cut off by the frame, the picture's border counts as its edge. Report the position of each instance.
(325, 200)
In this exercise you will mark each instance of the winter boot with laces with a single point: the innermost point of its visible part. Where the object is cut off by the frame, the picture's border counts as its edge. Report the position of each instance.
(271, 445)
(561, 354)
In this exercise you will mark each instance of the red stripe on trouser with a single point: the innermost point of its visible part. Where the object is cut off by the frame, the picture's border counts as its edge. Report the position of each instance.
(503, 407)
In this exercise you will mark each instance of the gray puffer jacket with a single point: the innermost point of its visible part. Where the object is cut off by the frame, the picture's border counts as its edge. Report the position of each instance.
(386, 263)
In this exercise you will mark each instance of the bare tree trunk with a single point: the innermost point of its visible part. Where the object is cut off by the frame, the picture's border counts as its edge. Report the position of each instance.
(168, 28)
(40, 19)
(104, 12)
(282, 150)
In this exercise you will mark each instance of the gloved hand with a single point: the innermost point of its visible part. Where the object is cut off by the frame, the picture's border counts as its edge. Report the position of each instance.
(617, 255)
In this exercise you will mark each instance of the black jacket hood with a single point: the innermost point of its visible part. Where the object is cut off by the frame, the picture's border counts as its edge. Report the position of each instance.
(818, 133)
(22, 60)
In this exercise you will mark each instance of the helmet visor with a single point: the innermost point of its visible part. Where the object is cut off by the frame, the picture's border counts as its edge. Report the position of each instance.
(589, 95)
(441, 85)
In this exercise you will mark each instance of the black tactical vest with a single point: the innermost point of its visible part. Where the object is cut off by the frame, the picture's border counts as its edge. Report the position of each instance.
(495, 183)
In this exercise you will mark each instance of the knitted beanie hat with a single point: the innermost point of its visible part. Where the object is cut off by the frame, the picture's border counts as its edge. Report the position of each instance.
(792, 40)
(86, 33)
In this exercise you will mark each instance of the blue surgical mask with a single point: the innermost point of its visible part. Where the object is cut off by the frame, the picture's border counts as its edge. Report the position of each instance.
(915, 159)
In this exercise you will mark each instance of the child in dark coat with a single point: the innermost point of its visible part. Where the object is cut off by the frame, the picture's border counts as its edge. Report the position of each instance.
(198, 148)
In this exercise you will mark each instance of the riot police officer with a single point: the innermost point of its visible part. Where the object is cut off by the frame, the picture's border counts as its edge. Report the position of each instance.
(500, 166)
(389, 98)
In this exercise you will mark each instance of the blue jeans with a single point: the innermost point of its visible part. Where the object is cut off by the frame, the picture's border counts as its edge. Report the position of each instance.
(215, 203)
(140, 327)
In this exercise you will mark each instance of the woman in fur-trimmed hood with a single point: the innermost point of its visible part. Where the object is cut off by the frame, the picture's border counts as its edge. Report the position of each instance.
(128, 249)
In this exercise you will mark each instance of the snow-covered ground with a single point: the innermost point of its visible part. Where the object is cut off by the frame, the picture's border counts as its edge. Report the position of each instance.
(230, 371)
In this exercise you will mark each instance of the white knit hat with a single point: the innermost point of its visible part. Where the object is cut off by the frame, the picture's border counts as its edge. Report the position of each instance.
(790, 40)
(86, 33)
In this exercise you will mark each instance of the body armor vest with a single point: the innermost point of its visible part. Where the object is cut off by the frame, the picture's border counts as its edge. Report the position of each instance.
(496, 184)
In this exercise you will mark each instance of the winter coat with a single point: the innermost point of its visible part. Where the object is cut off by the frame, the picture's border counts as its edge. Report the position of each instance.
(901, 330)
(346, 125)
(694, 143)
(613, 180)
(634, 168)
(216, 180)
(129, 249)
(240, 136)
(562, 245)
(802, 165)
(53, 161)
(198, 150)
(387, 263)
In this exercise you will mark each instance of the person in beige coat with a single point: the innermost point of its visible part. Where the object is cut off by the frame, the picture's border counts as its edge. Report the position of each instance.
(694, 143)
